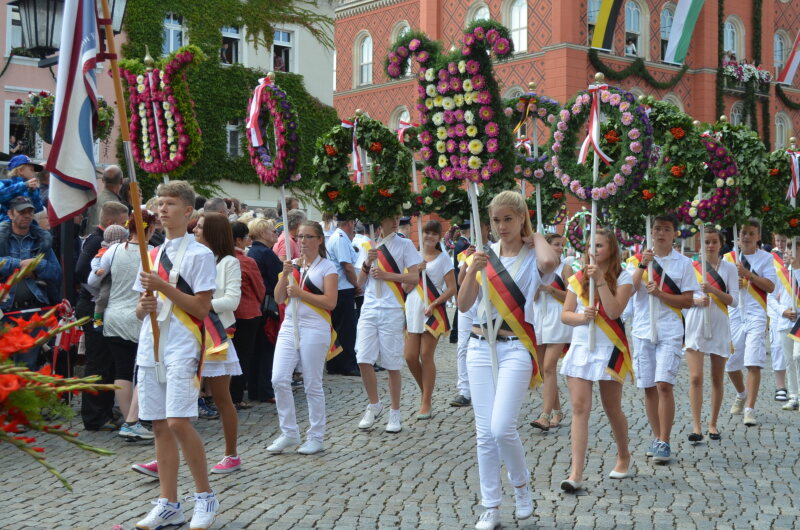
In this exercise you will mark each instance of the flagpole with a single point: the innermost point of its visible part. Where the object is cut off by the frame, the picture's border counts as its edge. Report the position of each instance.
(651, 300)
(793, 204)
(535, 140)
(124, 131)
(487, 304)
(356, 148)
(703, 267)
(290, 280)
(738, 258)
(419, 231)
(599, 79)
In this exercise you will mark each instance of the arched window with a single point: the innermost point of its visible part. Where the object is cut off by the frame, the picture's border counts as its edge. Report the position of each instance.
(779, 49)
(733, 38)
(783, 129)
(478, 11)
(737, 113)
(364, 60)
(633, 28)
(517, 17)
(675, 100)
(400, 114)
(667, 16)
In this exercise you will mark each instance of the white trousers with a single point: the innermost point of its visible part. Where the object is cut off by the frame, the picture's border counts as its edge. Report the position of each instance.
(464, 327)
(793, 369)
(496, 410)
(314, 344)
(781, 347)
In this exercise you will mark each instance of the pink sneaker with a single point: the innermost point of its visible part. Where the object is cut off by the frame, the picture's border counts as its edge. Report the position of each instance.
(228, 464)
(150, 469)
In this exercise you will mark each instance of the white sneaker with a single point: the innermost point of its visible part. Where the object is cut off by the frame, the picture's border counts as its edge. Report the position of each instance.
(750, 418)
(162, 515)
(792, 404)
(311, 447)
(394, 424)
(370, 416)
(738, 406)
(283, 443)
(524, 501)
(205, 511)
(490, 519)
(135, 431)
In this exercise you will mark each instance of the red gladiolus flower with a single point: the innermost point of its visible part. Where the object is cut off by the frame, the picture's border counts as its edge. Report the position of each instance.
(774, 171)
(330, 150)
(376, 147)
(558, 195)
(8, 384)
(793, 222)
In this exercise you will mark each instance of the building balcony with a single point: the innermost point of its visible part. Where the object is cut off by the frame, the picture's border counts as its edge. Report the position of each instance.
(738, 88)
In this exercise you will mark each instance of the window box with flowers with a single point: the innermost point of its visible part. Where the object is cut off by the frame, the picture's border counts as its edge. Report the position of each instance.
(737, 75)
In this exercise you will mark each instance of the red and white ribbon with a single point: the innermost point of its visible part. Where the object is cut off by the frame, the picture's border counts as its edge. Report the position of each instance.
(524, 142)
(794, 184)
(358, 169)
(254, 112)
(593, 138)
(401, 130)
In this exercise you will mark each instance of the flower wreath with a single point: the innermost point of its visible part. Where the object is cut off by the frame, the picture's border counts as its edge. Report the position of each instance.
(276, 167)
(464, 132)
(388, 190)
(553, 202)
(576, 233)
(688, 231)
(518, 111)
(627, 240)
(778, 216)
(632, 152)
(719, 201)
(167, 137)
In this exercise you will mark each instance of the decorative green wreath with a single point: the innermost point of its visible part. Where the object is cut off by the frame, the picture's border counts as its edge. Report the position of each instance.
(778, 217)
(388, 189)
(632, 159)
(553, 202)
(577, 230)
(519, 110)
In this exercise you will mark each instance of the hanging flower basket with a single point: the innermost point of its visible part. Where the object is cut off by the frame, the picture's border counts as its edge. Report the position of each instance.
(44, 128)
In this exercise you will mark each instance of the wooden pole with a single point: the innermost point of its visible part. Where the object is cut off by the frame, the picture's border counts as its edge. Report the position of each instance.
(487, 304)
(124, 131)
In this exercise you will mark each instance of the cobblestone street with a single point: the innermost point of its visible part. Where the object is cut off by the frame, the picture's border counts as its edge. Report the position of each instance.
(426, 476)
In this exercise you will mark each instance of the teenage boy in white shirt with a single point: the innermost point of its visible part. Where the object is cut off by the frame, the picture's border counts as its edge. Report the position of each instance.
(656, 363)
(749, 321)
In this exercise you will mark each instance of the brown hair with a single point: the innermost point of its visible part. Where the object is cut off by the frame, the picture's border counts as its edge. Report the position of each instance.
(179, 189)
(614, 262)
(317, 228)
(720, 235)
(433, 226)
(550, 236)
(218, 235)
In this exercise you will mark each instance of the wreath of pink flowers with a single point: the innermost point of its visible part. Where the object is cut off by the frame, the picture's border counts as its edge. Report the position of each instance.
(277, 167)
(575, 232)
(628, 241)
(723, 189)
(631, 157)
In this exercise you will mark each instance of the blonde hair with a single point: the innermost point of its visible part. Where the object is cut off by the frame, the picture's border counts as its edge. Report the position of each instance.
(514, 201)
(260, 227)
(179, 189)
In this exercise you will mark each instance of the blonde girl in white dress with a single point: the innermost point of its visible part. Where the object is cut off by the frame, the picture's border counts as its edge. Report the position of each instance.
(552, 335)
(582, 366)
(423, 326)
(718, 346)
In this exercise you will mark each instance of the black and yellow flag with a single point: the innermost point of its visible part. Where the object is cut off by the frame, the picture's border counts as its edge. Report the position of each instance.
(605, 23)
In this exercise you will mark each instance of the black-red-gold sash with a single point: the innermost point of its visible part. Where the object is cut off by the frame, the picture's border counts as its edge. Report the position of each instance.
(668, 286)
(510, 304)
(437, 323)
(387, 263)
(335, 348)
(759, 295)
(619, 364)
(209, 332)
(558, 285)
(715, 280)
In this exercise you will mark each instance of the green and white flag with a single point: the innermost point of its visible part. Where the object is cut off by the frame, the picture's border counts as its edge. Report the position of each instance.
(683, 24)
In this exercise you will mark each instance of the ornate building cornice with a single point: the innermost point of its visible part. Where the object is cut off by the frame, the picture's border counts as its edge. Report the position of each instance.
(348, 8)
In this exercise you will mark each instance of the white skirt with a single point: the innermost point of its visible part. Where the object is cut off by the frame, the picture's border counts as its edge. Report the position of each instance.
(549, 328)
(230, 366)
(415, 317)
(591, 366)
(720, 341)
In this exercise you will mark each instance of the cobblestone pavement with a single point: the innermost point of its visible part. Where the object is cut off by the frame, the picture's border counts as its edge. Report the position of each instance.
(426, 476)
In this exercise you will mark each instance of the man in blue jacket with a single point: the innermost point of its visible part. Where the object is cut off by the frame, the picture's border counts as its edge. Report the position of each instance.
(20, 242)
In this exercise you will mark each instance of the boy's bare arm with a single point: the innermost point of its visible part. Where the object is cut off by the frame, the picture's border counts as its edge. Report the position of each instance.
(198, 305)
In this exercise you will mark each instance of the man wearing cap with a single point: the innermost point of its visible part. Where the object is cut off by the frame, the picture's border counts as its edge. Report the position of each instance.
(20, 242)
(22, 182)
(404, 227)
(341, 252)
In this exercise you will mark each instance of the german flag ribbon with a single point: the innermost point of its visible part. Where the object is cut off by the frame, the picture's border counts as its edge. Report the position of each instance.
(558, 285)
(510, 304)
(620, 363)
(715, 280)
(665, 283)
(464, 254)
(335, 348)
(387, 263)
(785, 278)
(759, 295)
(526, 101)
(437, 323)
(209, 332)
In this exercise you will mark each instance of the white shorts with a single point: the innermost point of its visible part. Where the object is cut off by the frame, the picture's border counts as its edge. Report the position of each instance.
(380, 337)
(656, 362)
(177, 398)
(749, 346)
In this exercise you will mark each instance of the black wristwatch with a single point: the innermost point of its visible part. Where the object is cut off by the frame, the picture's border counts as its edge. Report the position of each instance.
(642, 266)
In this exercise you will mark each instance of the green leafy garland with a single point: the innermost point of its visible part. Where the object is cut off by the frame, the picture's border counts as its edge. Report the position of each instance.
(778, 215)
(785, 99)
(766, 125)
(636, 68)
(720, 100)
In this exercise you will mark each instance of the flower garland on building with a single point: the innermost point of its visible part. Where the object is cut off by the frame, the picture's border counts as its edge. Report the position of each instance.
(166, 136)
(464, 132)
(388, 189)
(272, 121)
(622, 176)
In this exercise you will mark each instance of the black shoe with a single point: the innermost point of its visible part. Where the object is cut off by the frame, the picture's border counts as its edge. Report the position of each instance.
(461, 401)
(352, 373)
(715, 436)
(378, 368)
(696, 437)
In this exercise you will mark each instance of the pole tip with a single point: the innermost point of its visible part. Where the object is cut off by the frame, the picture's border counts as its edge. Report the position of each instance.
(599, 77)
(723, 118)
(148, 59)
(696, 123)
(793, 140)
(532, 86)
(359, 112)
